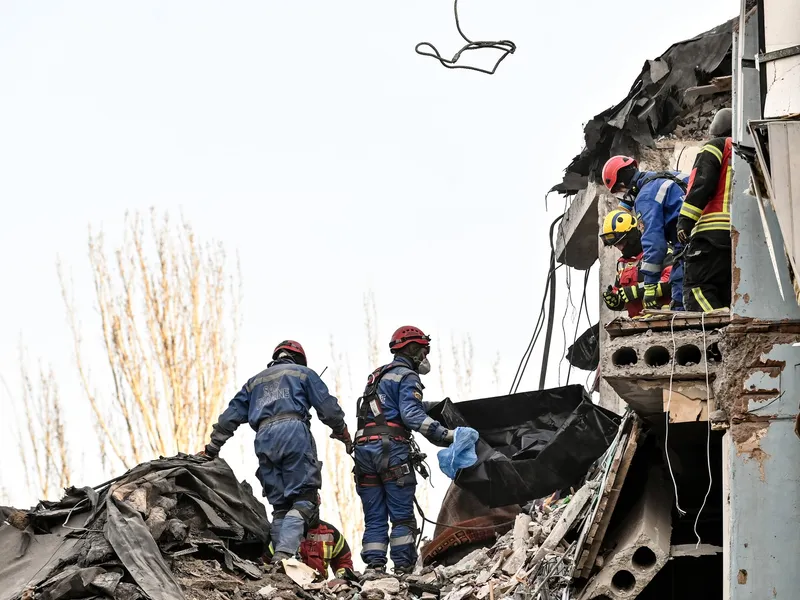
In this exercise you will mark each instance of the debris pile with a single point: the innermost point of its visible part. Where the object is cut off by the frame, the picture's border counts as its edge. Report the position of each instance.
(183, 528)
(164, 527)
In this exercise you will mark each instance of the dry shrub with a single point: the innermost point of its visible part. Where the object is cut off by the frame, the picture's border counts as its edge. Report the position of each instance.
(41, 439)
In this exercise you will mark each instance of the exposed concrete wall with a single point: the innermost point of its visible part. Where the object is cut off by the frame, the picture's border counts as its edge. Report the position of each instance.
(638, 367)
(641, 546)
(608, 273)
(576, 242)
(762, 453)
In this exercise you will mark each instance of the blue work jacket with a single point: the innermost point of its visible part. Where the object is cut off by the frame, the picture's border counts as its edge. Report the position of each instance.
(283, 387)
(400, 394)
(657, 206)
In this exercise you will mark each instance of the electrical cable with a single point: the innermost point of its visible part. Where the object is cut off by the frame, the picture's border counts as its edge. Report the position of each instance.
(552, 308)
(548, 338)
(523, 363)
(449, 526)
(681, 512)
(578, 320)
(505, 46)
(708, 436)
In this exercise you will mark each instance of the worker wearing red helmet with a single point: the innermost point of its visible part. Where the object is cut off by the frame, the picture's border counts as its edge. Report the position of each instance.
(277, 404)
(390, 409)
(655, 198)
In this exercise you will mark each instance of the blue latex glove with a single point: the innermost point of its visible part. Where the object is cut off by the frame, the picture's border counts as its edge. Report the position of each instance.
(461, 453)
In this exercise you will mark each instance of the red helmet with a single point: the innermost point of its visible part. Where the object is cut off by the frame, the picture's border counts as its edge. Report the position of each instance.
(612, 168)
(408, 334)
(290, 345)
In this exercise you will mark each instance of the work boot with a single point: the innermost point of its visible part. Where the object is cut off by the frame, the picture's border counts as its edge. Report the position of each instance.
(404, 570)
(374, 572)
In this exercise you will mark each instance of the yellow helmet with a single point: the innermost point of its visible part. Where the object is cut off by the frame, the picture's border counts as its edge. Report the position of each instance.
(617, 224)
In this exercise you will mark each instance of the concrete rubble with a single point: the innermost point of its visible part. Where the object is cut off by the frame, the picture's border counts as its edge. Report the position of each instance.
(206, 553)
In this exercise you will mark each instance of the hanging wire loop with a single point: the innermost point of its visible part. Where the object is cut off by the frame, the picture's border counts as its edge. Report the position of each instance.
(505, 46)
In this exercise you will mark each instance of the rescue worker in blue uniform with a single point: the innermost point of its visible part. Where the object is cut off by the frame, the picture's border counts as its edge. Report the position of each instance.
(390, 409)
(277, 403)
(655, 198)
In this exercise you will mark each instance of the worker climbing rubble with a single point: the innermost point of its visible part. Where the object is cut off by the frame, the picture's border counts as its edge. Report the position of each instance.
(324, 547)
(655, 198)
(277, 404)
(386, 455)
(621, 230)
(705, 221)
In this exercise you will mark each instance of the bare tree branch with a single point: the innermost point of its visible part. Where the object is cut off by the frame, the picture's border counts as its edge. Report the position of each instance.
(168, 317)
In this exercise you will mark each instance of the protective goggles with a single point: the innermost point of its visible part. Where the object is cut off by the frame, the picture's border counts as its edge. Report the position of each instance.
(612, 238)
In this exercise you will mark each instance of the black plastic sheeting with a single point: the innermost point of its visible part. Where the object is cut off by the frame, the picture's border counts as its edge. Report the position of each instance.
(653, 106)
(45, 553)
(531, 444)
(585, 352)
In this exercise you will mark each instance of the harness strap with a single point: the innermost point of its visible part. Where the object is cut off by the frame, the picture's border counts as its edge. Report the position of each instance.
(389, 474)
(661, 175)
(373, 431)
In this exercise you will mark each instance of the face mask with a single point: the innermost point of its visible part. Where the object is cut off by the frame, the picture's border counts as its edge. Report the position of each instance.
(424, 367)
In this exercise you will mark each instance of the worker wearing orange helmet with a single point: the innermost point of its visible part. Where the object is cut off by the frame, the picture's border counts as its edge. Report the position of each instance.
(390, 409)
(655, 198)
(277, 404)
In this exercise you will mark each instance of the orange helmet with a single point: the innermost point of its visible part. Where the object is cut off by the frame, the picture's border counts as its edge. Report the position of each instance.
(291, 346)
(408, 334)
(612, 168)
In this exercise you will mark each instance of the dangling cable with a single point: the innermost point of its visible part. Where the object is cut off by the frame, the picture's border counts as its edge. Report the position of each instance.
(551, 279)
(708, 437)
(582, 304)
(681, 512)
(505, 46)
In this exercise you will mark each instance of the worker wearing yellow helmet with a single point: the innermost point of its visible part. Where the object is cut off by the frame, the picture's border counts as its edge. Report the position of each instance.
(621, 229)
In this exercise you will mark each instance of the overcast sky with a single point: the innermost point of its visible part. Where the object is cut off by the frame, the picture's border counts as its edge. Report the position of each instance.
(312, 140)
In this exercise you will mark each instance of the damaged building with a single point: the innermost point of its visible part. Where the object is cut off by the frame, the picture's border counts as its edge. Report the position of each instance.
(682, 482)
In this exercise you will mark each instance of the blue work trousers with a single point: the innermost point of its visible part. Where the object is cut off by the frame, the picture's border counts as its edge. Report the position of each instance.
(287, 469)
(385, 501)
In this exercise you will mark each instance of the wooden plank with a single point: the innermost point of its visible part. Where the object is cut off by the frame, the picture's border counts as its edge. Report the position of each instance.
(616, 479)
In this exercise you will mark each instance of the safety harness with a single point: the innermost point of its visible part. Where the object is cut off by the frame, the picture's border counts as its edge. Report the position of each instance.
(378, 428)
(636, 187)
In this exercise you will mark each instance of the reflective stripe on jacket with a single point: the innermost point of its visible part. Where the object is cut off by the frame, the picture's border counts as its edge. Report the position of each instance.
(708, 200)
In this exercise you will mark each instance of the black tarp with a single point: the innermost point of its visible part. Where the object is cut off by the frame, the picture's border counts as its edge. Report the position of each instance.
(42, 552)
(585, 352)
(653, 105)
(531, 443)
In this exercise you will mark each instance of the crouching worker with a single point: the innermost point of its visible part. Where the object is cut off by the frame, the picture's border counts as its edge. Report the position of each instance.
(390, 409)
(621, 230)
(277, 404)
(656, 199)
(325, 547)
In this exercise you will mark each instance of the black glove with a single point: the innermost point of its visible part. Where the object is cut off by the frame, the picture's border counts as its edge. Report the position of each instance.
(210, 451)
(613, 299)
(651, 293)
(344, 437)
(685, 226)
(630, 293)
